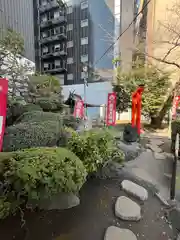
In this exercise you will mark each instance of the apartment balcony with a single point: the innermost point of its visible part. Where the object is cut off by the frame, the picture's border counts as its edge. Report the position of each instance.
(48, 6)
(57, 37)
(53, 21)
(57, 53)
(53, 68)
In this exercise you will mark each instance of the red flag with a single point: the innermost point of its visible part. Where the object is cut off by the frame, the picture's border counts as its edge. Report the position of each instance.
(79, 109)
(3, 107)
(111, 110)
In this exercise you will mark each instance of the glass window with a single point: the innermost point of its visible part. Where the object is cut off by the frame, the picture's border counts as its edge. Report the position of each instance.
(69, 27)
(69, 9)
(84, 41)
(45, 50)
(44, 34)
(56, 14)
(57, 47)
(57, 63)
(69, 44)
(84, 5)
(44, 18)
(70, 76)
(69, 60)
(84, 23)
(84, 58)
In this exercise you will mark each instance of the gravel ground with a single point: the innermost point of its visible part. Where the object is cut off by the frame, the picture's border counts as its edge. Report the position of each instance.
(90, 219)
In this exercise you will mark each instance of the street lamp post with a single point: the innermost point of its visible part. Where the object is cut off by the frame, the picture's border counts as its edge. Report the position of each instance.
(85, 70)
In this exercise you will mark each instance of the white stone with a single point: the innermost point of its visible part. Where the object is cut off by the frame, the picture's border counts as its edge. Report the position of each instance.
(159, 156)
(135, 190)
(126, 209)
(155, 148)
(115, 233)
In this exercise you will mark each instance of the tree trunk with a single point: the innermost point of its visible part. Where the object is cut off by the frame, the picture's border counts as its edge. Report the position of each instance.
(156, 121)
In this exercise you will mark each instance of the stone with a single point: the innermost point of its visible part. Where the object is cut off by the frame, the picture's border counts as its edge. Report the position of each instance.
(157, 142)
(135, 190)
(159, 156)
(131, 151)
(115, 233)
(155, 148)
(126, 209)
(60, 201)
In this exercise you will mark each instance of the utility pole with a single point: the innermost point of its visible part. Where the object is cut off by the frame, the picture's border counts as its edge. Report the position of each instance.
(85, 70)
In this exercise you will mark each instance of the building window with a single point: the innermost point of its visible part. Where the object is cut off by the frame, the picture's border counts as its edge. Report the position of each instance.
(57, 63)
(44, 34)
(69, 10)
(43, 2)
(44, 18)
(69, 60)
(70, 76)
(69, 44)
(84, 58)
(69, 27)
(56, 15)
(46, 66)
(45, 50)
(84, 23)
(57, 47)
(84, 5)
(84, 41)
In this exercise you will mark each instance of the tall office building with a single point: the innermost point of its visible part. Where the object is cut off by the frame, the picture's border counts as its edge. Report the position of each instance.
(89, 25)
(18, 15)
(50, 37)
(73, 35)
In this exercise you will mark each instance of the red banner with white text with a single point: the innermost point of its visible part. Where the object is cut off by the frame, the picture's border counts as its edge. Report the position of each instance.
(3, 108)
(111, 110)
(79, 109)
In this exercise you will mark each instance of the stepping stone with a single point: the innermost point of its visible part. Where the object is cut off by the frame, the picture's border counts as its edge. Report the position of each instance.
(135, 190)
(115, 233)
(126, 209)
(159, 156)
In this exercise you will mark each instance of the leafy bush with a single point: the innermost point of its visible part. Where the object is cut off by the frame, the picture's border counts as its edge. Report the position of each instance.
(94, 148)
(30, 134)
(38, 173)
(49, 104)
(39, 116)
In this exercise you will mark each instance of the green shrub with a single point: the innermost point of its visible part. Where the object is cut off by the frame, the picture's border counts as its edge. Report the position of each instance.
(39, 173)
(49, 104)
(32, 134)
(39, 116)
(94, 148)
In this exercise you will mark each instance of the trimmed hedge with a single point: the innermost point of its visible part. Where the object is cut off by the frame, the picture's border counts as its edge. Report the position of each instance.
(38, 173)
(94, 148)
(50, 104)
(30, 134)
(39, 116)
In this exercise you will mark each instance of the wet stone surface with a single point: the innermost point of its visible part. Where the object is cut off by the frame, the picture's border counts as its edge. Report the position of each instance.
(135, 190)
(115, 233)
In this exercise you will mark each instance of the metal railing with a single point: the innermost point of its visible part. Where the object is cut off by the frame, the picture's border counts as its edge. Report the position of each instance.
(174, 168)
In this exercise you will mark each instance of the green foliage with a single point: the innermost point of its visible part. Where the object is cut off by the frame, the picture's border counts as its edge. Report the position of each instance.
(156, 86)
(123, 98)
(94, 148)
(30, 134)
(38, 173)
(16, 107)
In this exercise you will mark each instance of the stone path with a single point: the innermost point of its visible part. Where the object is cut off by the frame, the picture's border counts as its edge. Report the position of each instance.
(128, 210)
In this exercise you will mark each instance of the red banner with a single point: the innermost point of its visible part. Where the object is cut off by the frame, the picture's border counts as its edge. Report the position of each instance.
(111, 110)
(3, 108)
(79, 109)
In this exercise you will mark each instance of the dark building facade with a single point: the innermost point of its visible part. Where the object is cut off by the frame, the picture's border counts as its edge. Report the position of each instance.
(50, 37)
(88, 24)
(18, 15)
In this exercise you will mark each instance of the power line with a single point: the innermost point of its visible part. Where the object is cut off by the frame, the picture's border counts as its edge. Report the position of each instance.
(109, 48)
